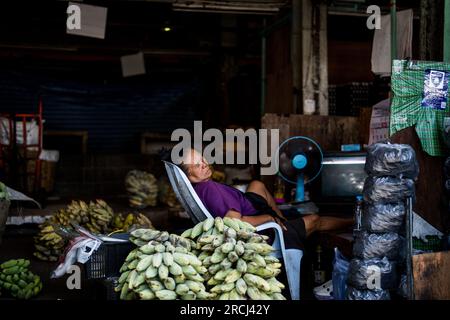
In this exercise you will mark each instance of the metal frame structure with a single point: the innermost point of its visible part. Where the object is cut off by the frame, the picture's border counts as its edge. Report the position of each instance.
(409, 249)
(17, 154)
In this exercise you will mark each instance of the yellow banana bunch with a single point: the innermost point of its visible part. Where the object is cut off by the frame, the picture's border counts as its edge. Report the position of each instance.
(166, 195)
(48, 244)
(100, 216)
(96, 216)
(142, 189)
(132, 220)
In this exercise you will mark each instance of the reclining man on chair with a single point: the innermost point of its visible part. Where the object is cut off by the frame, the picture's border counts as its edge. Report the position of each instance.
(256, 206)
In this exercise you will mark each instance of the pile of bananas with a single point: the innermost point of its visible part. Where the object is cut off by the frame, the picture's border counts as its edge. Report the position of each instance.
(96, 217)
(166, 195)
(238, 260)
(162, 267)
(48, 244)
(122, 223)
(18, 280)
(142, 189)
(100, 217)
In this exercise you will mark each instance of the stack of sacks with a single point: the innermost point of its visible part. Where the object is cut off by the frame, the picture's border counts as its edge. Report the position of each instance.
(379, 249)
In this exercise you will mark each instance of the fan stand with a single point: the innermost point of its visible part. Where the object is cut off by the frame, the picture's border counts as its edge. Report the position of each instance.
(300, 189)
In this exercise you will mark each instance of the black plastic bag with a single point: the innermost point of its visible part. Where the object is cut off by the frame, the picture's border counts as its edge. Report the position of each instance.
(447, 185)
(384, 159)
(387, 189)
(372, 274)
(356, 294)
(377, 245)
(383, 217)
(447, 168)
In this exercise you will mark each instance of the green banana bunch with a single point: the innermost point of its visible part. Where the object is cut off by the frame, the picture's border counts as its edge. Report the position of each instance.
(18, 280)
(238, 261)
(232, 227)
(3, 192)
(162, 267)
(142, 237)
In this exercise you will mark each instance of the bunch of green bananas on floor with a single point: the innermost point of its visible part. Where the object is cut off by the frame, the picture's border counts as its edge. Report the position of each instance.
(142, 189)
(238, 260)
(130, 221)
(48, 244)
(18, 280)
(162, 268)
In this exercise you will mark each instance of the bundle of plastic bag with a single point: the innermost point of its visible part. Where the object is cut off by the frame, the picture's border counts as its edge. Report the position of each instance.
(387, 189)
(372, 274)
(75, 252)
(383, 217)
(339, 275)
(356, 294)
(447, 186)
(392, 159)
(377, 245)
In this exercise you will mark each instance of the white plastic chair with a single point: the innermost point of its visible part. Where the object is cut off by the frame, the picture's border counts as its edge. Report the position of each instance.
(197, 211)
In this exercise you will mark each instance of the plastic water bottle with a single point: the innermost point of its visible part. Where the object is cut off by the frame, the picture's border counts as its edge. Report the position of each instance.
(358, 212)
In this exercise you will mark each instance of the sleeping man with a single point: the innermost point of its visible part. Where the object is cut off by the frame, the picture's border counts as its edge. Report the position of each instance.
(256, 206)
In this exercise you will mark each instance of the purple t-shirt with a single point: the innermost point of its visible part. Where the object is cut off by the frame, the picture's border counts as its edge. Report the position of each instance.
(219, 198)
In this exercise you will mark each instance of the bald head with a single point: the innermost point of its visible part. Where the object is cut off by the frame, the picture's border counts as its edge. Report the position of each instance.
(195, 166)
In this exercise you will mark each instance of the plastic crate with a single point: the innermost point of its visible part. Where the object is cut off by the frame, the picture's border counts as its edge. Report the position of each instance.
(107, 260)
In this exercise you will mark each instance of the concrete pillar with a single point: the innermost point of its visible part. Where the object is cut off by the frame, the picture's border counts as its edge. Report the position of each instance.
(323, 76)
(296, 55)
(314, 56)
(431, 25)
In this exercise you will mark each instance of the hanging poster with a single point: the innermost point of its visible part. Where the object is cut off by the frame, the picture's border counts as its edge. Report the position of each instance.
(435, 91)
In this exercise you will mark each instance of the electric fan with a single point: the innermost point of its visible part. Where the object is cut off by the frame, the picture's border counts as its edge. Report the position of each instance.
(300, 162)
